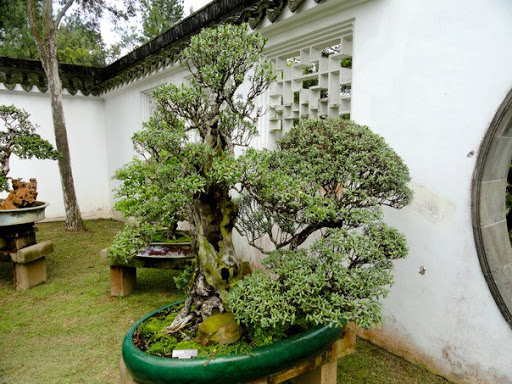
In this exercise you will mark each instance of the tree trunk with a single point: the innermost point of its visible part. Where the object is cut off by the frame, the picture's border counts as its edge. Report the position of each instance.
(218, 268)
(74, 220)
(44, 32)
(214, 218)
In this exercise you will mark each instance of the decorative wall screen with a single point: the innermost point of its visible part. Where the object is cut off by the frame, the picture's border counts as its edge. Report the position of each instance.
(314, 81)
(148, 104)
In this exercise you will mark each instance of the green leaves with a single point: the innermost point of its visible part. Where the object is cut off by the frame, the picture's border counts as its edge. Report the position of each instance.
(157, 189)
(222, 67)
(331, 175)
(130, 241)
(257, 301)
(220, 60)
(155, 194)
(18, 137)
(32, 145)
(159, 15)
(325, 174)
(78, 41)
(339, 279)
(173, 170)
(351, 163)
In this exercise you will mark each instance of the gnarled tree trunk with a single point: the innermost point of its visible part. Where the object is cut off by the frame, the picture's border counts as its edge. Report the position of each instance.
(214, 215)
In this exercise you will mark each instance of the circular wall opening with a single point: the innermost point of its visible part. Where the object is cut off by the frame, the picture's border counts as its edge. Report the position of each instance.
(488, 207)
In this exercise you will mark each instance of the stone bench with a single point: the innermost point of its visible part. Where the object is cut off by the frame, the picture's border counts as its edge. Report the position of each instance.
(123, 276)
(18, 246)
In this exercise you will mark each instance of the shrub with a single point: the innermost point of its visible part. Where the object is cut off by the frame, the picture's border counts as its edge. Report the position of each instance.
(329, 179)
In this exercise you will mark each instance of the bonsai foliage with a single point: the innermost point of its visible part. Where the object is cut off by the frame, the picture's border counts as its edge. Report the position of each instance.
(329, 178)
(327, 181)
(177, 178)
(324, 174)
(340, 278)
(18, 137)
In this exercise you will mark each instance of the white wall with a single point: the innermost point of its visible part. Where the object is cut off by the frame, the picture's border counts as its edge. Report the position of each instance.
(429, 76)
(85, 118)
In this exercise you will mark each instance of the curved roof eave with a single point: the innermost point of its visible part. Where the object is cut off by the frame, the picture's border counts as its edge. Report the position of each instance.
(149, 57)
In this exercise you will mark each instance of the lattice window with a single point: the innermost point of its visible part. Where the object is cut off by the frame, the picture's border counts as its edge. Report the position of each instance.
(315, 81)
(148, 104)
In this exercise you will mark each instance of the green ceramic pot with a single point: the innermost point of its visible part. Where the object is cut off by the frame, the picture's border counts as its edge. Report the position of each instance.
(230, 369)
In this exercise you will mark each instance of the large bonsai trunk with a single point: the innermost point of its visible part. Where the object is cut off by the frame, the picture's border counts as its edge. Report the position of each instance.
(213, 220)
(214, 217)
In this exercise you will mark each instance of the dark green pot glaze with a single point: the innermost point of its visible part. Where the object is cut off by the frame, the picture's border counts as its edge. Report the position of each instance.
(230, 369)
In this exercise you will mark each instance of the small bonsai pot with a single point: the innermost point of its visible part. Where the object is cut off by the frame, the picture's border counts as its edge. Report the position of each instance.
(19, 216)
(228, 369)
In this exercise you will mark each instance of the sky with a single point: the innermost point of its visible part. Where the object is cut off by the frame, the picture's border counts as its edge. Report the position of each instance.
(196, 4)
(110, 37)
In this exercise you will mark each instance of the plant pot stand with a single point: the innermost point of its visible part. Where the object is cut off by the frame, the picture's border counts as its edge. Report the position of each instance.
(320, 369)
(123, 276)
(18, 245)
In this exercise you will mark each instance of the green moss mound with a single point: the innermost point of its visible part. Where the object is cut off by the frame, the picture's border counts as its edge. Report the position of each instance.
(151, 338)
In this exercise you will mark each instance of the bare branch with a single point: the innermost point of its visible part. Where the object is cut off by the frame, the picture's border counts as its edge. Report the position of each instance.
(62, 12)
(250, 239)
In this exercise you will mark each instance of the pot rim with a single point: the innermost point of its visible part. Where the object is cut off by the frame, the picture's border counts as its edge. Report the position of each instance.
(234, 368)
(38, 205)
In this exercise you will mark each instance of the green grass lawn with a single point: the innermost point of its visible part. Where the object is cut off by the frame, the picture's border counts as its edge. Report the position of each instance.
(69, 329)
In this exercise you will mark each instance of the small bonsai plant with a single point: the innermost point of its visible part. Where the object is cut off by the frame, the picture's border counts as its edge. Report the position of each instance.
(327, 180)
(18, 137)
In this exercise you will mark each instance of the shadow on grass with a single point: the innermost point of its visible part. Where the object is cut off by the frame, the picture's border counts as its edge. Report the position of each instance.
(6, 274)
(156, 280)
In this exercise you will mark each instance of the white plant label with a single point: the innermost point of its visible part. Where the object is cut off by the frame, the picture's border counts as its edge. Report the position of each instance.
(184, 353)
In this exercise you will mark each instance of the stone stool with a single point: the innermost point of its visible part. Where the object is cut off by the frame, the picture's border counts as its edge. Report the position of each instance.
(18, 245)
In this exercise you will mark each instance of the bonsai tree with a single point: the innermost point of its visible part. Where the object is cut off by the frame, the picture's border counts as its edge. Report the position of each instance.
(327, 180)
(324, 174)
(177, 178)
(18, 137)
